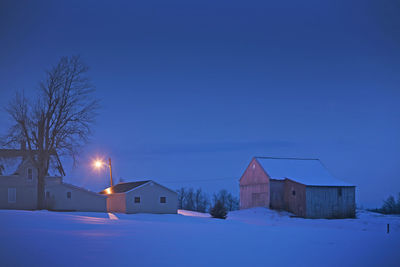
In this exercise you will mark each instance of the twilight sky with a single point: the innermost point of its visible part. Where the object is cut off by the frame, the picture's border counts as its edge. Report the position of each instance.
(192, 90)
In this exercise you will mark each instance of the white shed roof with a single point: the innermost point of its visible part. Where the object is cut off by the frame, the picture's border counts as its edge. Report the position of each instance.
(305, 171)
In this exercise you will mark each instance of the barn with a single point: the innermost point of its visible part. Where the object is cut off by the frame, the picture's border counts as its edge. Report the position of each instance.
(303, 187)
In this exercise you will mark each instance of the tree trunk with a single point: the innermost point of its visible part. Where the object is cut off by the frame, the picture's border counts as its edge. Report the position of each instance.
(40, 189)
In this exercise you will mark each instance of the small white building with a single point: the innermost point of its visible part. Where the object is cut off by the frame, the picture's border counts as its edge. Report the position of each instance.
(141, 197)
(18, 187)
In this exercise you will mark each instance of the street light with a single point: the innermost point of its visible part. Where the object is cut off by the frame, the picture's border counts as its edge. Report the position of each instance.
(99, 163)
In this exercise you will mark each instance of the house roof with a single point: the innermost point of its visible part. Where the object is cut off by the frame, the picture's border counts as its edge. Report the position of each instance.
(11, 159)
(9, 166)
(75, 187)
(123, 187)
(305, 171)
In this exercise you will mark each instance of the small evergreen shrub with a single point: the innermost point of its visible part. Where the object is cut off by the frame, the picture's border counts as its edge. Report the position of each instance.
(218, 210)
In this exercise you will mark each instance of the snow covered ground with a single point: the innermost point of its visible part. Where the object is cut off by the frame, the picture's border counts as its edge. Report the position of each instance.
(254, 237)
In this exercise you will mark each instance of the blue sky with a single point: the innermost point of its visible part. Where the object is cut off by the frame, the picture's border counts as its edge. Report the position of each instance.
(191, 91)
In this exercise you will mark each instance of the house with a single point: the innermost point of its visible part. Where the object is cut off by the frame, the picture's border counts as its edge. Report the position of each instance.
(141, 197)
(18, 186)
(301, 186)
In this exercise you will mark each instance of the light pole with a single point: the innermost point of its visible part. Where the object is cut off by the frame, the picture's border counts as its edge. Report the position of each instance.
(109, 165)
(99, 163)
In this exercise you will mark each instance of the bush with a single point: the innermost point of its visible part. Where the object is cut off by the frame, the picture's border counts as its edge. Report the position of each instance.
(218, 211)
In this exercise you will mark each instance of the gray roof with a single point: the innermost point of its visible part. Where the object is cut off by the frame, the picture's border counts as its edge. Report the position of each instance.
(123, 187)
(305, 171)
(11, 159)
(9, 166)
(75, 187)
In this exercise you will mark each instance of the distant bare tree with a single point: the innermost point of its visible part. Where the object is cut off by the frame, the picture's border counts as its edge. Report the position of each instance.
(189, 200)
(181, 197)
(200, 201)
(227, 200)
(58, 120)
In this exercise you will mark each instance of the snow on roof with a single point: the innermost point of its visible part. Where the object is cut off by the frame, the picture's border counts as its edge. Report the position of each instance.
(11, 159)
(123, 187)
(9, 166)
(79, 188)
(305, 171)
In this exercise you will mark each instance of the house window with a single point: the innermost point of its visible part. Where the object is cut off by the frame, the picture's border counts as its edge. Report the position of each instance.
(137, 199)
(293, 192)
(340, 192)
(47, 195)
(69, 195)
(12, 195)
(163, 199)
(30, 174)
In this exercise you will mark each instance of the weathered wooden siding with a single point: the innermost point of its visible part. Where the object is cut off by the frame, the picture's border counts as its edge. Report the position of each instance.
(277, 190)
(254, 187)
(295, 198)
(330, 202)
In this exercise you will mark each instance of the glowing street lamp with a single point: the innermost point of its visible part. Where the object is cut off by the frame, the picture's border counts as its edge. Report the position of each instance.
(98, 164)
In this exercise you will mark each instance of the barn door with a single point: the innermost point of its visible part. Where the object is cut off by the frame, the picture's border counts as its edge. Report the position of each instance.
(259, 199)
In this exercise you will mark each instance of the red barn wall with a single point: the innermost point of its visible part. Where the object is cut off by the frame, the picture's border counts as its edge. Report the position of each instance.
(254, 187)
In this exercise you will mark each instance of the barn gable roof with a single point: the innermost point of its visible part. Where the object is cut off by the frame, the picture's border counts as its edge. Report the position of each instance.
(305, 171)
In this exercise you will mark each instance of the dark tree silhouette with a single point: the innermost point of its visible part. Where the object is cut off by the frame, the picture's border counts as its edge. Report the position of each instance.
(57, 121)
(390, 206)
(218, 210)
(227, 199)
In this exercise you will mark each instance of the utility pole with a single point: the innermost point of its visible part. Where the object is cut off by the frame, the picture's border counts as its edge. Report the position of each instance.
(109, 165)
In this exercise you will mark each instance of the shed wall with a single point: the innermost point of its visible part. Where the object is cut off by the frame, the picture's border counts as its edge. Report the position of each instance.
(277, 190)
(329, 202)
(150, 199)
(295, 198)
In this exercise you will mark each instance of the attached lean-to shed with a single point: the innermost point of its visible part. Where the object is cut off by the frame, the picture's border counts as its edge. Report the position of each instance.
(301, 186)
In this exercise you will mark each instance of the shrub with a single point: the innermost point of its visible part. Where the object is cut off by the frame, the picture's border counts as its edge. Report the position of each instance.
(218, 211)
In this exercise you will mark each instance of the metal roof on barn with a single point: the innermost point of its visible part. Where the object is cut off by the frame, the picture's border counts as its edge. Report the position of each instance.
(305, 171)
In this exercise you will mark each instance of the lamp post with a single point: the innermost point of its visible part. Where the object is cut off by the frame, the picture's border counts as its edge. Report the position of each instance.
(98, 164)
(109, 165)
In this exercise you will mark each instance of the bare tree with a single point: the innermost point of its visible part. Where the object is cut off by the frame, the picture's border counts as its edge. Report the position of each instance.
(58, 121)
(229, 201)
(200, 200)
(181, 197)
